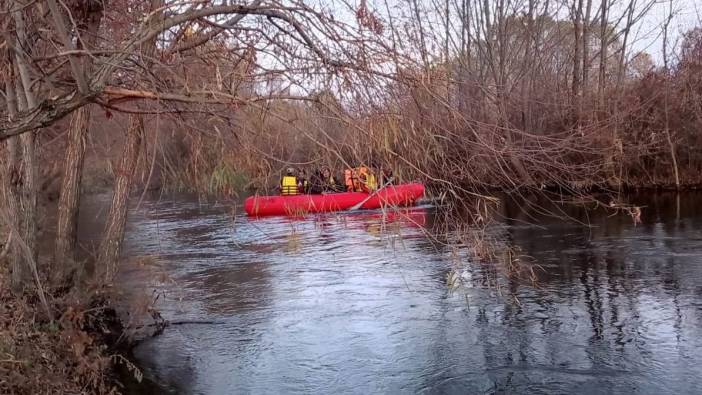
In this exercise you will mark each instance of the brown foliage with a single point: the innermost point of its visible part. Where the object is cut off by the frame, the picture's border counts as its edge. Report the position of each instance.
(42, 357)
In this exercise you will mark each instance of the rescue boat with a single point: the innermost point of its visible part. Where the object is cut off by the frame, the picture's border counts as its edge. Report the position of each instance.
(391, 195)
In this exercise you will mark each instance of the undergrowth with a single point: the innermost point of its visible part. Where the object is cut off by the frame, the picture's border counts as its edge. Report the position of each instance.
(74, 354)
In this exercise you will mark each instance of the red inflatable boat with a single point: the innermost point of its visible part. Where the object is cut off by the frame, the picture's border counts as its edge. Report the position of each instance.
(392, 195)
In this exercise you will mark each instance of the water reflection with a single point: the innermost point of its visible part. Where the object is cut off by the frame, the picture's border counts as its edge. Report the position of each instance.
(358, 303)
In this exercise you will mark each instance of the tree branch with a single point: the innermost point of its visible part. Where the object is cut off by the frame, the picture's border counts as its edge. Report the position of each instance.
(205, 37)
(62, 32)
(117, 95)
(6, 247)
(44, 114)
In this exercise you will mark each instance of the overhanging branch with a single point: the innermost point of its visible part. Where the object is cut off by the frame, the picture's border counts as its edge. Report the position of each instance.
(44, 114)
(117, 95)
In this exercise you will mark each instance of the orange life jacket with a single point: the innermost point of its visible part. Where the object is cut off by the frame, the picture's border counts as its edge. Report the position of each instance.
(362, 172)
(348, 180)
(353, 184)
(356, 179)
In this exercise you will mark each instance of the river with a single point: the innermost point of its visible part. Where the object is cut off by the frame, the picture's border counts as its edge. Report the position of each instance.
(359, 303)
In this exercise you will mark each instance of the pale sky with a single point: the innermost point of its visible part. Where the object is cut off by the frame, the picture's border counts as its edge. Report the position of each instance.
(646, 36)
(687, 15)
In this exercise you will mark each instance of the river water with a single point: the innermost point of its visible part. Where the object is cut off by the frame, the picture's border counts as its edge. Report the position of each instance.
(359, 303)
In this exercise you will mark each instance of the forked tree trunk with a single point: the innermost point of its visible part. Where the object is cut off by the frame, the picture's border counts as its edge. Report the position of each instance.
(111, 245)
(64, 264)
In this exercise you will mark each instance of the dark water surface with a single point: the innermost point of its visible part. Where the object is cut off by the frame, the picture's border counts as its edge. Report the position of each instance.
(358, 303)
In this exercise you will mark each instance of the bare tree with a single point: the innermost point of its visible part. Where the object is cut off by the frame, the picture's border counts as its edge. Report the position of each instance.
(669, 138)
(578, 41)
(604, 43)
(586, 44)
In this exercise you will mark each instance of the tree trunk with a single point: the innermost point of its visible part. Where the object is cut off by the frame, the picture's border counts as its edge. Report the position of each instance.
(527, 83)
(27, 197)
(586, 45)
(19, 271)
(69, 201)
(671, 145)
(27, 178)
(603, 53)
(625, 43)
(577, 54)
(111, 245)
(465, 60)
(21, 192)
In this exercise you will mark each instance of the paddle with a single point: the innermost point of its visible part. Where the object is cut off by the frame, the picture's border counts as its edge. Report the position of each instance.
(357, 206)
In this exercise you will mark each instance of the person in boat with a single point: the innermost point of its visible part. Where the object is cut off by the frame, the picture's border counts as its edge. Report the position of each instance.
(351, 180)
(289, 184)
(303, 181)
(327, 182)
(316, 183)
(386, 176)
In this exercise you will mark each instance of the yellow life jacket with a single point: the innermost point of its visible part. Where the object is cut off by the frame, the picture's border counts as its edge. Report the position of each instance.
(362, 177)
(371, 182)
(288, 186)
(368, 181)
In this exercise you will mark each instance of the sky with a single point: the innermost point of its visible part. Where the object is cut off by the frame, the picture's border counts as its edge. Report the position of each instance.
(646, 37)
(687, 14)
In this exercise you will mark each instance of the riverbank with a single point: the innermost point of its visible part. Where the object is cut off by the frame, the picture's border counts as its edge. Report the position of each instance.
(76, 352)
